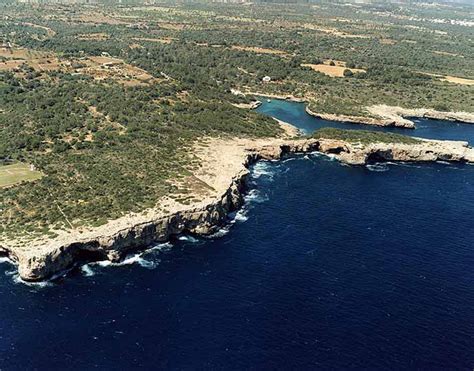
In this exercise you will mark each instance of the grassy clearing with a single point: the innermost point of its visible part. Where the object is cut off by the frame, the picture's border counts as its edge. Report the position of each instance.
(17, 173)
(363, 136)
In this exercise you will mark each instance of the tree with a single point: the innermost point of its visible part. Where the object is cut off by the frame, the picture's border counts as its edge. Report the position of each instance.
(348, 73)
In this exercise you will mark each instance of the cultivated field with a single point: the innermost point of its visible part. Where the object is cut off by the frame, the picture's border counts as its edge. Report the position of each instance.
(334, 71)
(17, 173)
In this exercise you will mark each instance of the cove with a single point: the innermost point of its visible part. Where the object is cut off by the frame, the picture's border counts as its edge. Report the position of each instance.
(294, 113)
(326, 266)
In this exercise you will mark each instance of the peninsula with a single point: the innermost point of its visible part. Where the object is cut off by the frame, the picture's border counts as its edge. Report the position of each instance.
(121, 126)
(225, 181)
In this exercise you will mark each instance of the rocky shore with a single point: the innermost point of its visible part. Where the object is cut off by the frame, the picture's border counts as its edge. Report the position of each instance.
(42, 259)
(389, 116)
(394, 121)
(382, 115)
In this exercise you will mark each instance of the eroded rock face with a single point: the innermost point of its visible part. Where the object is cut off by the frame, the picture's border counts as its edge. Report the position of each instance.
(56, 256)
(391, 116)
(35, 267)
(385, 121)
(425, 151)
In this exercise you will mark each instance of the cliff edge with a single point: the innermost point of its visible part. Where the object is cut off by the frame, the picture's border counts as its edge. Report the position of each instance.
(224, 167)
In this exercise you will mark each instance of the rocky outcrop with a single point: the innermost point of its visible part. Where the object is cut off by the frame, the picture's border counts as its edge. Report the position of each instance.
(403, 114)
(425, 151)
(389, 116)
(393, 121)
(41, 261)
(40, 265)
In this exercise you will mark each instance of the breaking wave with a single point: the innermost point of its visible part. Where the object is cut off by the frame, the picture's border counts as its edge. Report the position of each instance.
(241, 216)
(6, 260)
(378, 167)
(143, 259)
(262, 168)
(220, 233)
(255, 196)
(188, 238)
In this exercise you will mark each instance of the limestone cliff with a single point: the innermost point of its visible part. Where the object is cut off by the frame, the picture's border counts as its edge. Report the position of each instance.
(44, 258)
(388, 116)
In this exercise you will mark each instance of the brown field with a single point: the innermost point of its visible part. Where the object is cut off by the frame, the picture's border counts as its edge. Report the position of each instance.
(258, 50)
(40, 61)
(94, 36)
(457, 80)
(166, 40)
(334, 31)
(100, 68)
(172, 26)
(21, 53)
(387, 42)
(446, 53)
(333, 71)
(97, 18)
(10, 65)
(447, 78)
(49, 31)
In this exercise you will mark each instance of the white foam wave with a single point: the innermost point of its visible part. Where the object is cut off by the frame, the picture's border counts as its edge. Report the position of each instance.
(139, 258)
(87, 270)
(41, 284)
(326, 156)
(262, 168)
(220, 233)
(404, 164)
(379, 167)
(160, 247)
(241, 216)
(187, 238)
(5, 260)
(129, 260)
(255, 196)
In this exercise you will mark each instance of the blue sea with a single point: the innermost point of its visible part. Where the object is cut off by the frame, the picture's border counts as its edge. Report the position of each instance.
(326, 267)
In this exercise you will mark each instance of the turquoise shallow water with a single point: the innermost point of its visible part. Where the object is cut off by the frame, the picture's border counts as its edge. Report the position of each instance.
(327, 266)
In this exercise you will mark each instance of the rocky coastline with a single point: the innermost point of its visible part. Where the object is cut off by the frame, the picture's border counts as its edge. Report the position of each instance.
(389, 116)
(398, 121)
(383, 115)
(37, 263)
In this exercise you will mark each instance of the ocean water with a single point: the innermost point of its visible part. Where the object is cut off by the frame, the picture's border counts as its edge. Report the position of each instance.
(326, 266)
(425, 128)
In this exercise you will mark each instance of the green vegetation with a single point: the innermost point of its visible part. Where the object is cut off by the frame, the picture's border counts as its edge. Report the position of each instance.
(363, 136)
(105, 149)
(109, 145)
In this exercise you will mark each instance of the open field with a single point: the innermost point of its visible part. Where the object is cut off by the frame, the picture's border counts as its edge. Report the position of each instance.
(333, 71)
(94, 36)
(452, 79)
(458, 80)
(258, 50)
(98, 67)
(156, 40)
(17, 173)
